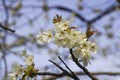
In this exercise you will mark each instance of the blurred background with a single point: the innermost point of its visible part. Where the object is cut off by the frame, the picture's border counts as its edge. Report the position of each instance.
(28, 17)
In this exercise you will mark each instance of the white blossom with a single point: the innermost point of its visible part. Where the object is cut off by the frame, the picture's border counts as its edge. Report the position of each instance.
(93, 47)
(63, 25)
(12, 76)
(29, 59)
(16, 68)
(68, 37)
(23, 53)
(43, 37)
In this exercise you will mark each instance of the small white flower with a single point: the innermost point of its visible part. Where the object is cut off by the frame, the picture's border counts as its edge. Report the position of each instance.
(63, 25)
(86, 58)
(23, 53)
(93, 47)
(44, 36)
(12, 76)
(29, 59)
(83, 55)
(63, 39)
(17, 68)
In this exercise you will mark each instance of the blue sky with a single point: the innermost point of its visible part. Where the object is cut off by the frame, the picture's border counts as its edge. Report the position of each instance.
(99, 63)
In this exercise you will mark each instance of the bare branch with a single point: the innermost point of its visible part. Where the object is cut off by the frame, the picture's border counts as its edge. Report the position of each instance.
(92, 73)
(75, 77)
(106, 12)
(6, 28)
(78, 15)
(100, 73)
(69, 10)
(66, 73)
(50, 73)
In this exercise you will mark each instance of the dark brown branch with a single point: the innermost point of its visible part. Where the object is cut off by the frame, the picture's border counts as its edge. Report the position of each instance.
(54, 75)
(51, 74)
(66, 73)
(118, 1)
(58, 66)
(65, 65)
(6, 28)
(106, 12)
(75, 77)
(92, 73)
(100, 73)
(69, 10)
(80, 66)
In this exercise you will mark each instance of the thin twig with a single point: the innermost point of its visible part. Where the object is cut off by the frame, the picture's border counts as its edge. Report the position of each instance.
(58, 66)
(54, 75)
(66, 73)
(6, 28)
(104, 13)
(76, 78)
(51, 74)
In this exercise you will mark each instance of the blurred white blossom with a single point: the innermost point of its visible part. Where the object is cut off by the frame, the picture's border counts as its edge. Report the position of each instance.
(17, 68)
(12, 76)
(23, 71)
(62, 25)
(44, 36)
(29, 59)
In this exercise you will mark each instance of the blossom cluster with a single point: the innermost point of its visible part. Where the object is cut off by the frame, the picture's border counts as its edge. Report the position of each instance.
(69, 37)
(22, 72)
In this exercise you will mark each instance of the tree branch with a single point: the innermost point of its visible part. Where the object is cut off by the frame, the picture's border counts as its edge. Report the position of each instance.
(69, 10)
(100, 73)
(65, 72)
(4, 37)
(107, 11)
(75, 77)
(92, 73)
(82, 67)
(78, 15)
(6, 28)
